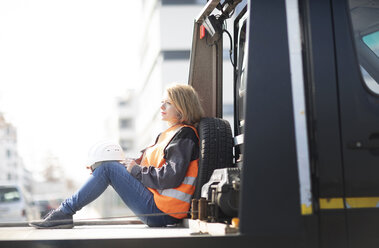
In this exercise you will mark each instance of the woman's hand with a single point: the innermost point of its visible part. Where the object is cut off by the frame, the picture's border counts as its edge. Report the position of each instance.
(129, 164)
(90, 168)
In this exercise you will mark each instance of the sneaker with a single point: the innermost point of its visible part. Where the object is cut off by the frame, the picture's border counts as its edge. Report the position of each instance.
(56, 219)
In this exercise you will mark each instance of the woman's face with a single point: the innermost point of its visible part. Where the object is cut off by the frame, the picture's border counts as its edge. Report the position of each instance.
(168, 112)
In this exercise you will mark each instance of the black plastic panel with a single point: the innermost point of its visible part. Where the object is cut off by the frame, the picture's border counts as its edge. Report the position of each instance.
(323, 100)
(359, 112)
(270, 185)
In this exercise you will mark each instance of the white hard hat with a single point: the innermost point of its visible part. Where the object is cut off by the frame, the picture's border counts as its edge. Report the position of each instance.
(105, 151)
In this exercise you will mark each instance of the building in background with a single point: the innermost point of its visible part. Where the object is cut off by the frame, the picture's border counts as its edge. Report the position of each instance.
(126, 123)
(166, 39)
(11, 165)
(167, 29)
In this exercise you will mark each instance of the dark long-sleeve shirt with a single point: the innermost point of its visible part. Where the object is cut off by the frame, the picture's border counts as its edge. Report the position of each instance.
(182, 149)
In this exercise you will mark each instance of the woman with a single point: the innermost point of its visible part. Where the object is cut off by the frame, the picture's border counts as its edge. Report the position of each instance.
(158, 186)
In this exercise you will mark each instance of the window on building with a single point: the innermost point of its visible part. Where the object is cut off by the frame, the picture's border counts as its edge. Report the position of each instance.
(126, 144)
(228, 109)
(8, 153)
(125, 123)
(176, 54)
(123, 103)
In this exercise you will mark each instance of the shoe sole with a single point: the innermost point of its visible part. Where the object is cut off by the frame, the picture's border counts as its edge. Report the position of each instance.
(65, 226)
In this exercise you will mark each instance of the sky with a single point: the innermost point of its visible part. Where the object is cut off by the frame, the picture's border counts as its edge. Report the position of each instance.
(62, 65)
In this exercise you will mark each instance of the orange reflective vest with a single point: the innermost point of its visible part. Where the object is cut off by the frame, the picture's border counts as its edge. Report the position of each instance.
(176, 201)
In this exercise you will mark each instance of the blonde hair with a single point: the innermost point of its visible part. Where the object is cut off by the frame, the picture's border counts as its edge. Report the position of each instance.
(186, 100)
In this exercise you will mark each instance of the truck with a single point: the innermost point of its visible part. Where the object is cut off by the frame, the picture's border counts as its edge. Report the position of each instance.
(306, 107)
(305, 143)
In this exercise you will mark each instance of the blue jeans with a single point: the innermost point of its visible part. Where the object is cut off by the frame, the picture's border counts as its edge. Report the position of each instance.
(134, 194)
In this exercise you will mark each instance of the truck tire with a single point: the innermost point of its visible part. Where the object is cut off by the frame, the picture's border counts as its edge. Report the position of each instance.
(216, 149)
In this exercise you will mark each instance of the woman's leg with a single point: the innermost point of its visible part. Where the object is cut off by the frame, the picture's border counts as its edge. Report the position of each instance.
(135, 195)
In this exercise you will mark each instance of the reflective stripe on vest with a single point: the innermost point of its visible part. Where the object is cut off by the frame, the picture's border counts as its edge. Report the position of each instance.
(189, 180)
(176, 194)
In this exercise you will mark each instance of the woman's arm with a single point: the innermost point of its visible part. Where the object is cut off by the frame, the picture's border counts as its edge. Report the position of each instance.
(182, 149)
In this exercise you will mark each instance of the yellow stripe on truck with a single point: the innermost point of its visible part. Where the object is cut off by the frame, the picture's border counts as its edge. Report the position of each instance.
(349, 202)
(306, 210)
(362, 202)
(331, 203)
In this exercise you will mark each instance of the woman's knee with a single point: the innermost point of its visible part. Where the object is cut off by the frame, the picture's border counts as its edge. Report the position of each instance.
(107, 166)
(110, 163)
